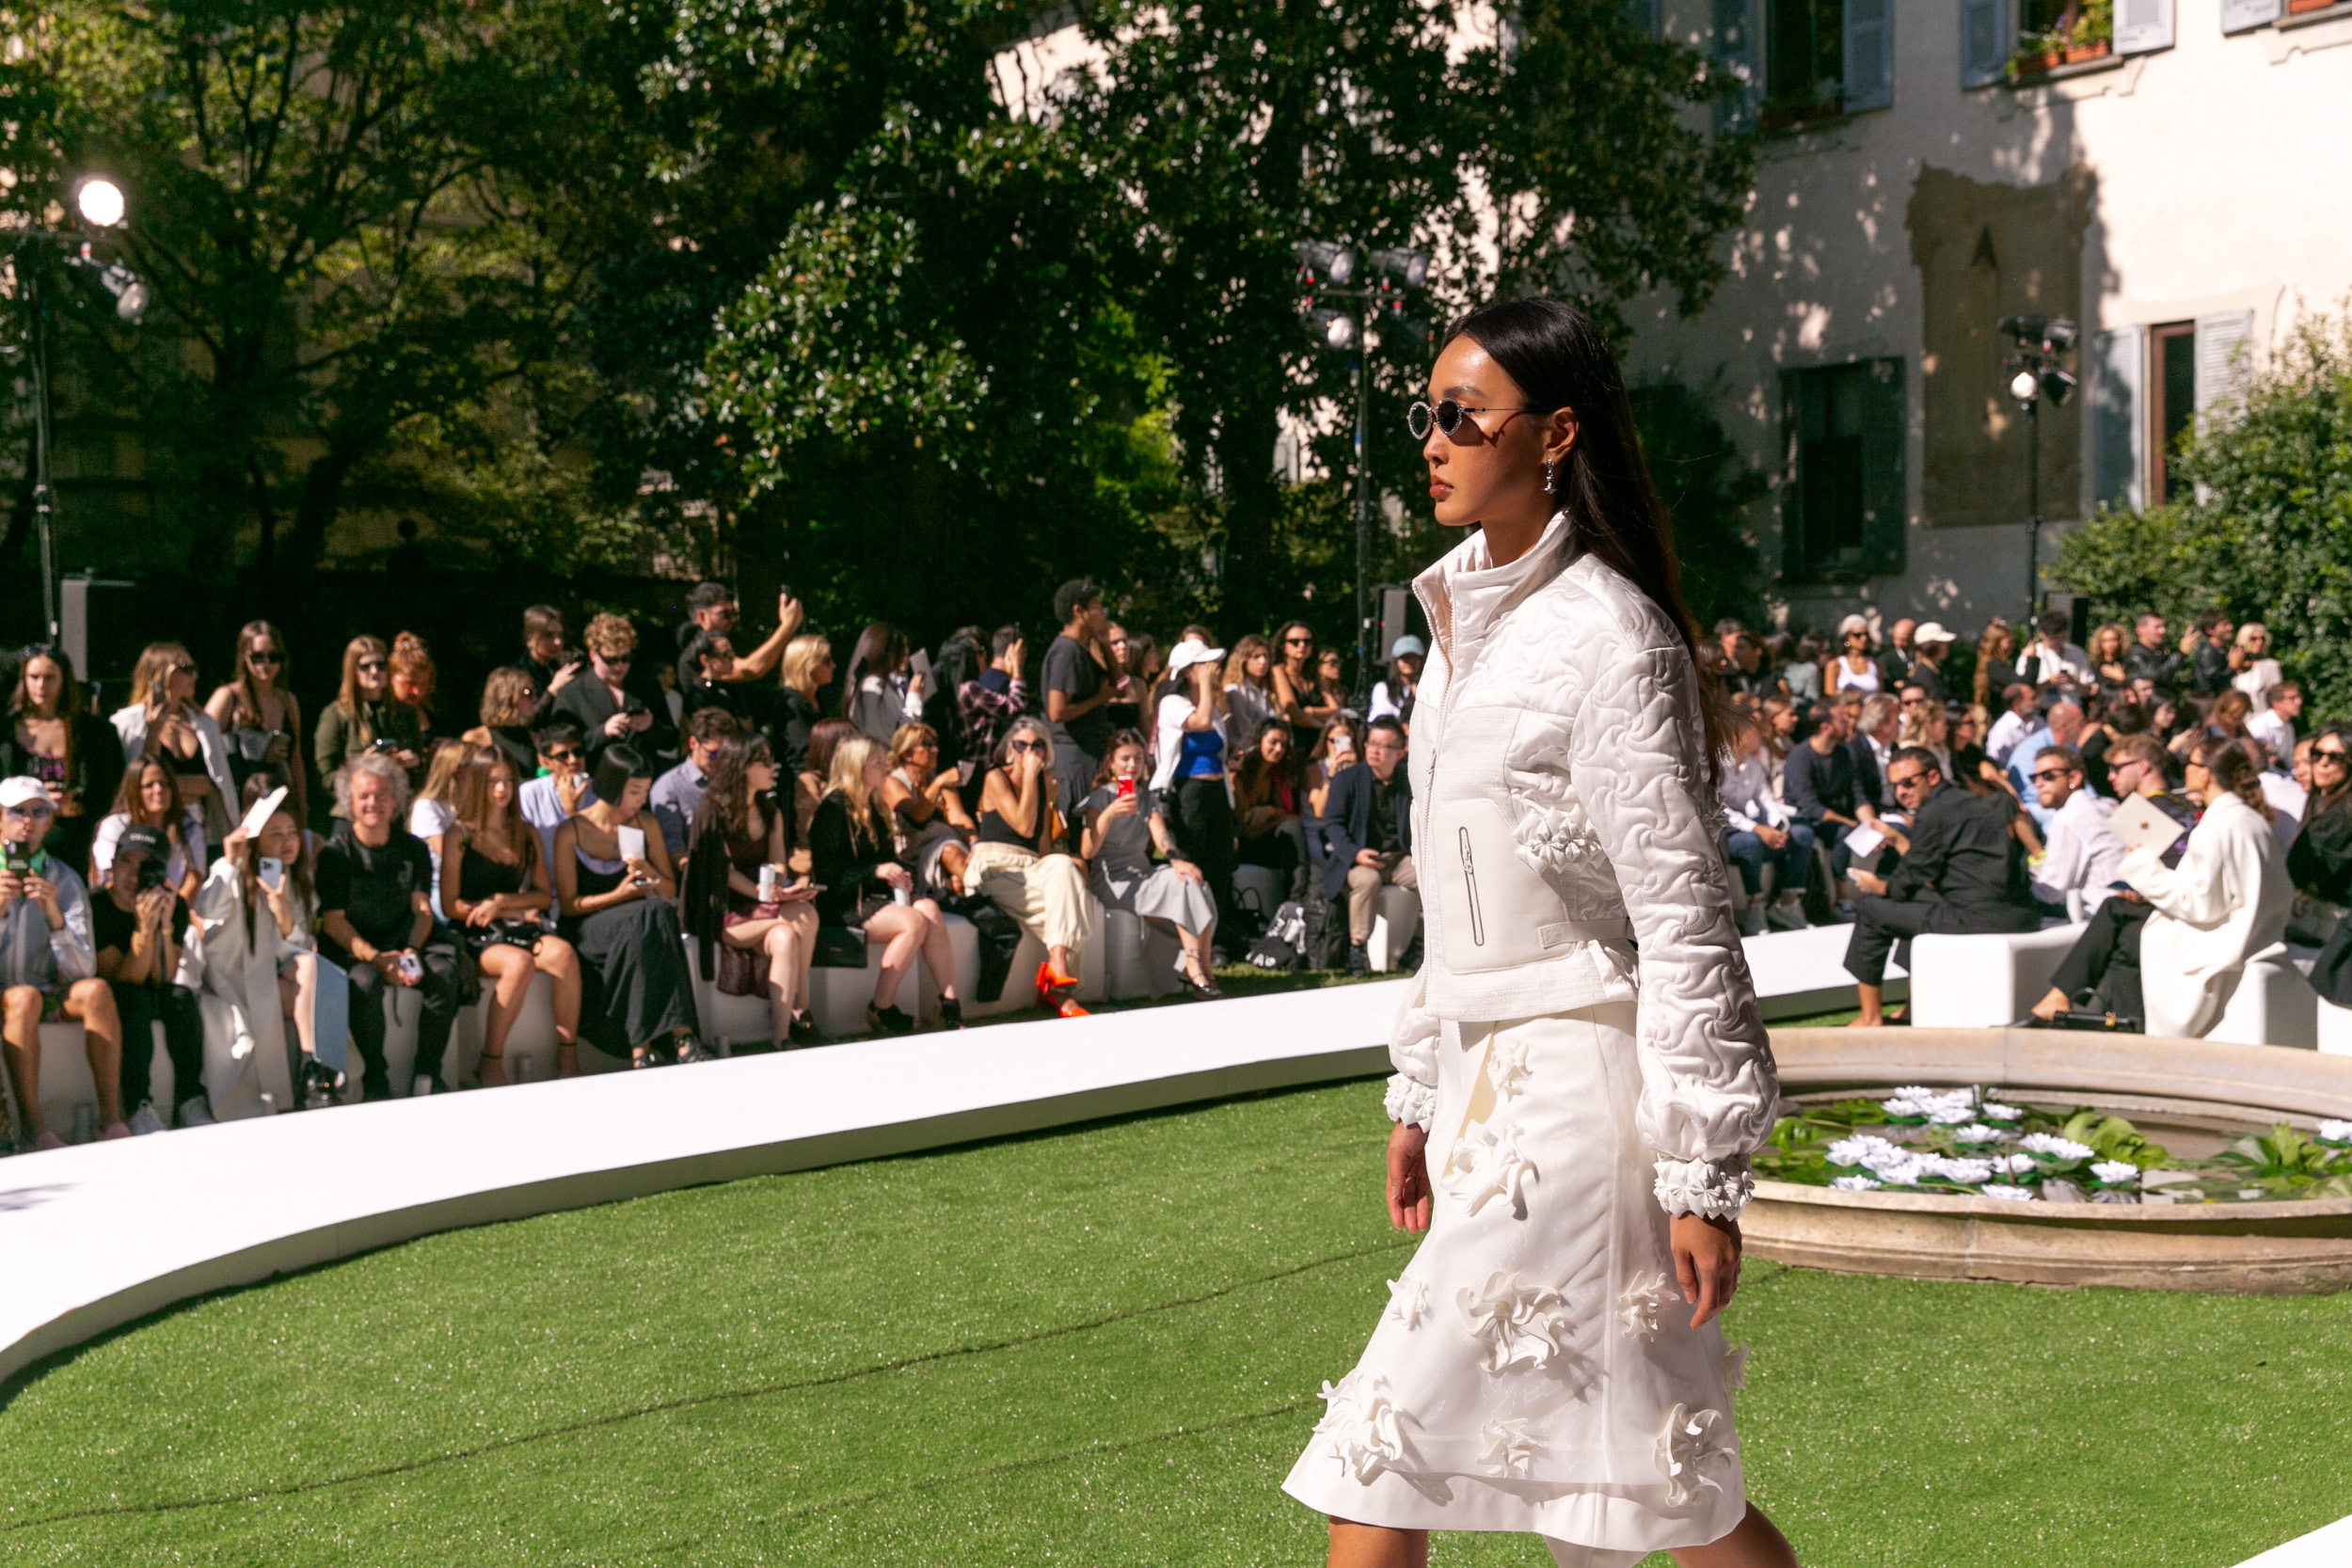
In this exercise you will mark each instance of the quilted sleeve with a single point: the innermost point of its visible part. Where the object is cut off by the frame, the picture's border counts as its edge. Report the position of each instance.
(1413, 1052)
(1637, 759)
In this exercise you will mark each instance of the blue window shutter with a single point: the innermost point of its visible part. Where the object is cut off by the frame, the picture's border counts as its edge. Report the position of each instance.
(1885, 433)
(2238, 16)
(1870, 54)
(2117, 422)
(1986, 37)
(2142, 26)
(1734, 50)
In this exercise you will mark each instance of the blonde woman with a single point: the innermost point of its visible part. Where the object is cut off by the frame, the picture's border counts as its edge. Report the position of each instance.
(162, 720)
(2253, 669)
(804, 673)
(860, 879)
(495, 891)
(1926, 727)
(1248, 693)
(365, 716)
(1996, 650)
(437, 807)
(934, 830)
(1019, 864)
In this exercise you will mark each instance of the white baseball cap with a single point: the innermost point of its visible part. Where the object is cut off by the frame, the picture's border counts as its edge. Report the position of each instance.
(17, 791)
(1191, 651)
(1931, 631)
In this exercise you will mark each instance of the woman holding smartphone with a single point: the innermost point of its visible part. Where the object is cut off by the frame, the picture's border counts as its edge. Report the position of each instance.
(752, 920)
(256, 912)
(613, 883)
(494, 891)
(1125, 823)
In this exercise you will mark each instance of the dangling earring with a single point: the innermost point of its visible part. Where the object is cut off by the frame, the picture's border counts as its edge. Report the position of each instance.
(1552, 466)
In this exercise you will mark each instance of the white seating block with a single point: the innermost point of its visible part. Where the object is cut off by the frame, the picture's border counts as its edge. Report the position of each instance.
(1982, 982)
(2271, 1003)
(1393, 927)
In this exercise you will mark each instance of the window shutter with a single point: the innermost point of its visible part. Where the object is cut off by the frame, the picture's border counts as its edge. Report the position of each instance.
(2224, 359)
(1870, 54)
(1734, 50)
(2238, 16)
(1986, 34)
(1793, 563)
(2142, 26)
(1885, 431)
(2116, 424)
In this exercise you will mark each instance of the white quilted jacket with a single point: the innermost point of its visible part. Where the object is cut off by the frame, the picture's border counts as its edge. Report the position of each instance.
(1565, 836)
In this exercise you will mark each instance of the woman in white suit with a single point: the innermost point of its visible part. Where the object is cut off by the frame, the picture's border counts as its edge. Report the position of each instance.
(259, 971)
(2226, 902)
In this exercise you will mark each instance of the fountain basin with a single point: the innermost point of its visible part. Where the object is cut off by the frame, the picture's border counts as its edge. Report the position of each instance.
(2172, 1087)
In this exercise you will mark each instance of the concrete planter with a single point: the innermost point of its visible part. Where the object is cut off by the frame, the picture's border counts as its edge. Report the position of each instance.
(2285, 1247)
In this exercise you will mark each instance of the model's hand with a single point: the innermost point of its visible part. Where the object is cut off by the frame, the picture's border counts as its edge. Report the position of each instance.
(1408, 1177)
(1707, 1263)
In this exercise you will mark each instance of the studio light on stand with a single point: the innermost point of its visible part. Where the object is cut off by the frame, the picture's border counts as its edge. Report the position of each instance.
(2038, 342)
(1326, 270)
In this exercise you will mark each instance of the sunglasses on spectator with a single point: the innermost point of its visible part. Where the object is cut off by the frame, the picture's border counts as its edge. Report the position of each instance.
(1448, 415)
(1020, 745)
(263, 656)
(617, 662)
(561, 754)
(366, 664)
(2043, 775)
(2323, 754)
(1908, 779)
(33, 811)
(184, 669)
(1298, 642)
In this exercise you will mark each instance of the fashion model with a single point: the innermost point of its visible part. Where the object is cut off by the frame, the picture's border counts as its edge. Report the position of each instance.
(1582, 1071)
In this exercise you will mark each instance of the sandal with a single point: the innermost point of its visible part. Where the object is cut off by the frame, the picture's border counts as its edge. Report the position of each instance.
(888, 1021)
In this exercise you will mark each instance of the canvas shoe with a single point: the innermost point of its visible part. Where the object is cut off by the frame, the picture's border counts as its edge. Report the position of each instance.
(196, 1111)
(1786, 915)
(144, 1120)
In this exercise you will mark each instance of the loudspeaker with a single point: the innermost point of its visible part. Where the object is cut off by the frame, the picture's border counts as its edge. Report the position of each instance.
(1400, 616)
(98, 627)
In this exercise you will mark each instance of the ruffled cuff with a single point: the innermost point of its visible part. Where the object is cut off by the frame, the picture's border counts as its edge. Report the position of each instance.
(1411, 1101)
(1712, 1189)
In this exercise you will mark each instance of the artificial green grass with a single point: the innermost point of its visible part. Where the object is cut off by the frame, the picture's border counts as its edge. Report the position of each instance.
(1095, 1347)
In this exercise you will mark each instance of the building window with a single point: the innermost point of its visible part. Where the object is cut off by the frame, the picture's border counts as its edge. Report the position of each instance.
(1843, 513)
(1823, 58)
(2008, 40)
(2171, 401)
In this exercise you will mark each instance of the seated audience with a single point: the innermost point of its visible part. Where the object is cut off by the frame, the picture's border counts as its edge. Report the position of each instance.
(49, 966)
(1818, 787)
(2253, 669)
(494, 891)
(414, 678)
(2107, 669)
(148, 797)
(1368, 835)
(679, 792)
(366, 717)
(139, 927)
(1878, 731)
(809, 786)
(1339, 748)
(2320, 863)
(932, 831)
(2224, 903)
(2147, 658)
(1926, 726)
(758, 935)
(1963, 873)
(2102, 969)
(259, 714)
(2082, 857)
(1930, 644)
(806, 670)
(615, 700)
(2273, 727)
(1269, 806)
(2019, 719)
(619, 902)
(433, 811)
(1019, 862)
(988, 703)
(1758, 829)
(255, 917)
(860, 884)
(562, 788)
(1295, 682)
(162, 720)
(2062, 726)
(509, 701)
(1124, 824)
(375, 919)
(711, 616)
(1393, 698)
(74, 753)
(1855, 668)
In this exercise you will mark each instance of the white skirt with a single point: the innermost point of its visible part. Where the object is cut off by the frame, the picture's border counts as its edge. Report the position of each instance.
(1536, 1370)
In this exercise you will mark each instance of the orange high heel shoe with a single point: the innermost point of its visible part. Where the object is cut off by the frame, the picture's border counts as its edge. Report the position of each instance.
(1055, 990)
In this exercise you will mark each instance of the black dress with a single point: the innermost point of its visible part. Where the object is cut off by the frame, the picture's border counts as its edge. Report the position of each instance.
(638, 988)
(842, 863)
(479, 877)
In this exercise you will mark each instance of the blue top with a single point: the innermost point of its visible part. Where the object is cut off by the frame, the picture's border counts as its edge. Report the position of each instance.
(1203, 756)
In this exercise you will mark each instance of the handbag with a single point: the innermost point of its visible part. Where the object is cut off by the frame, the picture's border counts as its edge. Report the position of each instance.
(837, 947)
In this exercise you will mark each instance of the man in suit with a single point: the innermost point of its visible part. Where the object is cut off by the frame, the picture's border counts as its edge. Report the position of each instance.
(617, 699)
(1368, 835)
(1963, 873)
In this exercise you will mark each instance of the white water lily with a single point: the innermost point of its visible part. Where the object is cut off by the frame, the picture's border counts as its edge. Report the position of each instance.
(1691, 1445)
(1409, 1299)
(1855, 1183)
(1641, 1302)
(1966, 1172)
(1977, 1133)
(2015, 1195)
(2114, 1172)
(1488, 1164)
(2011, 1164)
(1508, 1449)
(2335, 1132)
(1363, 1425)
(1520, 1321)
(2054, 1147)
(1994, 1111)
(1952, 1116)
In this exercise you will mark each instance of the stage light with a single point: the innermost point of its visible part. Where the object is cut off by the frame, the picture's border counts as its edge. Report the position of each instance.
(1334, 264)
(101, 202)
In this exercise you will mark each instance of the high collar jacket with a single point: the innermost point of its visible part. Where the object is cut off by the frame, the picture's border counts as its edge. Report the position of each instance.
(1565, 833)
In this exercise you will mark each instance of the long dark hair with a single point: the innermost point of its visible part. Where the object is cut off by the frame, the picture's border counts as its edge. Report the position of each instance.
(69, 695)
(724, 813)
(1560, 360)
(881, 649)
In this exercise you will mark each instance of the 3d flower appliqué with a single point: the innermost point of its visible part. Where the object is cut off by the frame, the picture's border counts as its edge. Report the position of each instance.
(1410, 1101)
(1363, 1424)
(1506, 1064)
(1640, 1304)
(1409, 1299)
(1688, 1451)
(1555, 838)
(1519, 1321)
(1487, 1164)
(1508, 1449)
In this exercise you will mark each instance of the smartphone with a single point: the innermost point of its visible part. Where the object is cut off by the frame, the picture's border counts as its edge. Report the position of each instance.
(17, 861)
(786, 590)
(411, 968)
(271, 872)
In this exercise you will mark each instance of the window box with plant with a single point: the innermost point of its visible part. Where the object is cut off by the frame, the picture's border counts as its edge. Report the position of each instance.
(2056, 35)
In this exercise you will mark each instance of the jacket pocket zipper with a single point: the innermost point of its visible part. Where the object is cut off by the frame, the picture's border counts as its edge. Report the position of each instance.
(1469, 881)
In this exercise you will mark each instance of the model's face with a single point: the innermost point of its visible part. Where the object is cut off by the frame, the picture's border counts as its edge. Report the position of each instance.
(1492, 464)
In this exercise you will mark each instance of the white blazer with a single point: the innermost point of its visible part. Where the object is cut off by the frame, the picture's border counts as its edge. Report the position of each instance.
(130, 724)
(2226, 902)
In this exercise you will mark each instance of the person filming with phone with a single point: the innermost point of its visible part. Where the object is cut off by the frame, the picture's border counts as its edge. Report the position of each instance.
(48, 964)
(140, 929)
